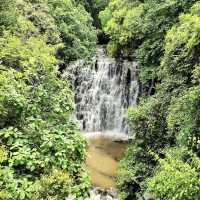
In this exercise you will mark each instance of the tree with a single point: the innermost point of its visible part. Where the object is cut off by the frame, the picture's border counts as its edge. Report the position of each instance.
(8, 14)
(179, 67)
(170, 116)
(183, 118)
(94, 7)
(76, 30)
(137, 30)
(178, 176)
(38, 14)
(149, 127)
(35, 128)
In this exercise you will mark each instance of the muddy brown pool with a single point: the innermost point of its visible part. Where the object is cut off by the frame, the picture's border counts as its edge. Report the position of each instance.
(103, 158)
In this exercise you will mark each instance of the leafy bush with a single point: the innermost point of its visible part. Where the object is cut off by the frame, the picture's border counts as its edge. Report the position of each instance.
(55, 186)
(135, 167)
(76, 30)
(42, 153)
(148, 125)
(183, 118)
(36, 108)
(38, 14)
(171, 116)
(179, 66)
(177, 178)
(8, 14)
(137, 29)
(180, 75)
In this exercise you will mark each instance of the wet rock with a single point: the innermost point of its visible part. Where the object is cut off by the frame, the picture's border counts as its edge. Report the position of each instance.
(148, 197)
(103, 194)
(100, 194)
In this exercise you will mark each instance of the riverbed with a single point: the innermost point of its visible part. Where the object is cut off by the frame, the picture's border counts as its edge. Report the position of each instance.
(103, 157)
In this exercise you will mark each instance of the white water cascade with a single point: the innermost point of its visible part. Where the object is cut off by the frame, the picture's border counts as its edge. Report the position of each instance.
(104, 89)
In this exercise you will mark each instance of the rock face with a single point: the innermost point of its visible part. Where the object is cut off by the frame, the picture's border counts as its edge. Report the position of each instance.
(101, 194)
(104, 89)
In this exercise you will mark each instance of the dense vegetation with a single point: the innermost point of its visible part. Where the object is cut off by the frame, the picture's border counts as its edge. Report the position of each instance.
(94, 7)
(42, 153)
(163, 36)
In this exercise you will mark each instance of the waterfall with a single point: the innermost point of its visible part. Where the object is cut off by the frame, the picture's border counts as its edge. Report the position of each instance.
(104, 89)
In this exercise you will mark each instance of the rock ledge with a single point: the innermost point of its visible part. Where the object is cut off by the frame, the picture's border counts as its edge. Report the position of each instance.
(103, 194)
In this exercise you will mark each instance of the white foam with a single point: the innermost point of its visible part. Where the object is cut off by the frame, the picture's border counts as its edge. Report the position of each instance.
(114, 135)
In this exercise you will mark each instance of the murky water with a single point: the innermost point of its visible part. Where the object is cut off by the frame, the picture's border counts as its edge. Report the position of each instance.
(103, 158)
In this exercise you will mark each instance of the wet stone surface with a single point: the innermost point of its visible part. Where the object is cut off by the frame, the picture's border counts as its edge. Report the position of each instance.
(103, 194)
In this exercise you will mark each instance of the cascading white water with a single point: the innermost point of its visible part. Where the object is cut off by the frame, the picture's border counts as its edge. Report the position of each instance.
(104, 89)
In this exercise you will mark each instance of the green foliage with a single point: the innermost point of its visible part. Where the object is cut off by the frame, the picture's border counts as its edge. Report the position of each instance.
(94, 7)
(3, 154)
(11, 188)
(148, 123)
(177, 178)
(171, 116)
(183, 118)
(36, 106)
(180, 71)
(38, 14)
(23, 54)
(135, 167)
(180, 65)
(55, 186)
(41, 150)
(42, 153)
(75, 27)
(138, 28)
(8, 14)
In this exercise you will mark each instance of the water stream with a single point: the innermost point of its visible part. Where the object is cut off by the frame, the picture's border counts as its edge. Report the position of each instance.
(104, 88)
